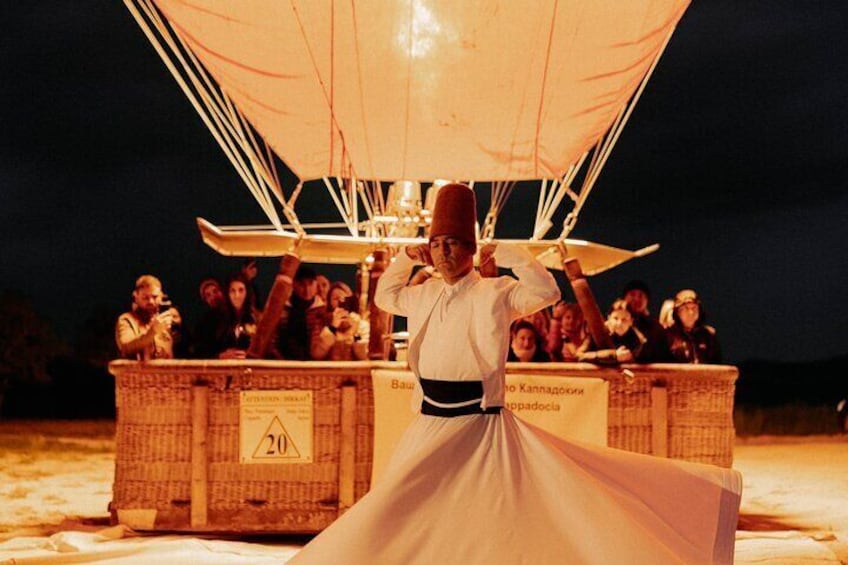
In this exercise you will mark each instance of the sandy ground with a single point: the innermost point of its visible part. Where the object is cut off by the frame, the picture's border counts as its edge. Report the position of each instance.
(795, 500)
(54, 475)
(57, 477)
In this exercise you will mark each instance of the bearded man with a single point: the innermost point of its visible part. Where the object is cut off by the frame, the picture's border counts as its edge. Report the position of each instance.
(144, 333)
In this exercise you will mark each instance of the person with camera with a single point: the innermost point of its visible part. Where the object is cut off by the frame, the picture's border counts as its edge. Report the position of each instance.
(340, 339)
(152, 328)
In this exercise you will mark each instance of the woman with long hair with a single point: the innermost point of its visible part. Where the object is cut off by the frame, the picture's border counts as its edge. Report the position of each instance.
(238, 324)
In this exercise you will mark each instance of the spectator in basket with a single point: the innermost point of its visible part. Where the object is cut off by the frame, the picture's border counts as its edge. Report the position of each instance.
(690, 339)
(637, 295)
(541, 320)
(302, 317)
(628, 342)
(238, 325)
(567, 332)
(323, 287)
(204, 338)
(152, 327)
(526, 344)
(339, 339)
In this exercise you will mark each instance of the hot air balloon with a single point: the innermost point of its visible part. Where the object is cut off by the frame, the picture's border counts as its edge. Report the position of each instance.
(374, 104)
(375, 101)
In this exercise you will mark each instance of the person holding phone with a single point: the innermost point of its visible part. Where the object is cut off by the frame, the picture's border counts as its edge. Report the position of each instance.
(339, 339)
(152, 327)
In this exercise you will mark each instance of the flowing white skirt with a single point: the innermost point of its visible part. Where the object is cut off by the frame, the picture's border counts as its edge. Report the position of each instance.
(492, 489)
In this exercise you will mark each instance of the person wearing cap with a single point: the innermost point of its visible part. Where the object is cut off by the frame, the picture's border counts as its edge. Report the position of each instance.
(210, 293)
(637, 295)
(145, 333)
(204, 337)
(690, 339)
(471, 483)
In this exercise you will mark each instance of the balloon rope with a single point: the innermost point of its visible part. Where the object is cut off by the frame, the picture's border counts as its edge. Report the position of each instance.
(199, 96)
(332, 84)
(613, 135)
(350, 227)
(543, 185)
(240, 137)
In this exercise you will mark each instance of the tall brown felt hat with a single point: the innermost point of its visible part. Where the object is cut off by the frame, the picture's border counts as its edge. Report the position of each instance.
(455, 213)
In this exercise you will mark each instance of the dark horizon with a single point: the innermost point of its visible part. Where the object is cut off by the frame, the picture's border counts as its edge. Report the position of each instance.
(733, 161)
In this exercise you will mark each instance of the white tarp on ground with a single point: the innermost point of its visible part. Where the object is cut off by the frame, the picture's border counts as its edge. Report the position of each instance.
(798, 483)
(783, 548)
(112, 545)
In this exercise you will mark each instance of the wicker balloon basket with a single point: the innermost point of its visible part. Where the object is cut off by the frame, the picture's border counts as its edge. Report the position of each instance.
(199, 447)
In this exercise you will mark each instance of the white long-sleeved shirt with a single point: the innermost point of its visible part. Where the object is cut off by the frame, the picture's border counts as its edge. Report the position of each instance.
(461, 331)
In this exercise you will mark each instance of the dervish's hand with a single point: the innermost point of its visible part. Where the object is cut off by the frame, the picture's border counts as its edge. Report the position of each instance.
(487, 253)
(420, 276)
(419, 253)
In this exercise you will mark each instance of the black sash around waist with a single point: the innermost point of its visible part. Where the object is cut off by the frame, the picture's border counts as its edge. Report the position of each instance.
(465, 395)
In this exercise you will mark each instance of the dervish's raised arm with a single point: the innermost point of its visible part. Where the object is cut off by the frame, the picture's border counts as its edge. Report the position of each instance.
(393, 295)
(535, 287)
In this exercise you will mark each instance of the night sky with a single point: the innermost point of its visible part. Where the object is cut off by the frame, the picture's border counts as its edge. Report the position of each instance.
(734, 161)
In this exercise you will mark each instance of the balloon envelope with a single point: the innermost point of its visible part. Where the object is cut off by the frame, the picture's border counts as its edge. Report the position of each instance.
(425, 89)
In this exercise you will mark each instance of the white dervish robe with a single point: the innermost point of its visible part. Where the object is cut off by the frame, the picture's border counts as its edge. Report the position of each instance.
(490, 489)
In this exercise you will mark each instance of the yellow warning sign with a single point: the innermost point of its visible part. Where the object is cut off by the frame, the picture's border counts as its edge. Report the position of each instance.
(275, 426)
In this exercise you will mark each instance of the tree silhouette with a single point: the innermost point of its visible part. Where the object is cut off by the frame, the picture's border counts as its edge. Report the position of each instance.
(27, 341)
(95, 339)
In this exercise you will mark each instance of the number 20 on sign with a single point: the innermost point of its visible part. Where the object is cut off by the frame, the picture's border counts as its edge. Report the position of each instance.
(275, 426)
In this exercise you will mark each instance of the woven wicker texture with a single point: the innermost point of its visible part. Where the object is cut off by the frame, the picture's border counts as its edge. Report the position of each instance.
(153, 468)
